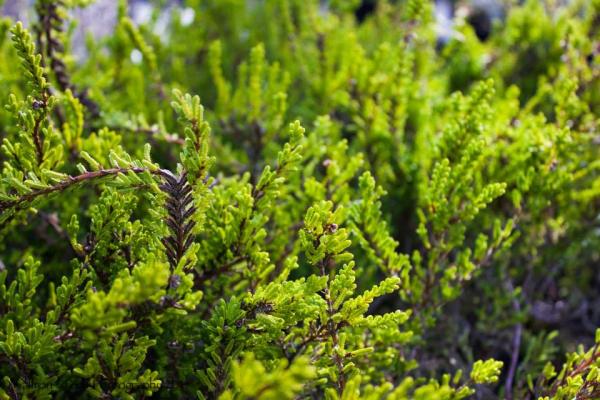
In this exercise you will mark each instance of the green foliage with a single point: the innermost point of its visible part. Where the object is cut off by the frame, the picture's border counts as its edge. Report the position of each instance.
(578, 377)
(486, 371)
(349, 213)
(252, 379)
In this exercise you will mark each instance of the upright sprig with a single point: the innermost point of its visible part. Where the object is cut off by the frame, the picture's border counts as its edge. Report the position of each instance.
(138, 41)
(452, 197)
(325, 245)
(194, 156)
(31, 62)
(40, 99)
(187, 193)
(373, 232)
(253, 113)
(239, 245)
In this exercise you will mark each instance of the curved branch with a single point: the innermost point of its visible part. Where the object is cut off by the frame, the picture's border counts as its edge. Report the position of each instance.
(21, 202)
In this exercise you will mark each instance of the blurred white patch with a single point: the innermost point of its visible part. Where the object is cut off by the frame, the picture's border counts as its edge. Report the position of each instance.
(161, 28)
(187, 16)
(136, 56)
(141, 13)
(444, 24)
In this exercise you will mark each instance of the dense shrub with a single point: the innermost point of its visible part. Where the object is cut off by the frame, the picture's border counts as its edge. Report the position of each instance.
(351, 211)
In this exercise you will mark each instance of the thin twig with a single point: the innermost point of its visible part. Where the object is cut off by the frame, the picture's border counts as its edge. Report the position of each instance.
(27, 198)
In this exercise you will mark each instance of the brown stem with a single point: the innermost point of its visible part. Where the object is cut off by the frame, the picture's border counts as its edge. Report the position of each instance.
(37, 140)
(578, 369)
(332, 330)
(20, 202)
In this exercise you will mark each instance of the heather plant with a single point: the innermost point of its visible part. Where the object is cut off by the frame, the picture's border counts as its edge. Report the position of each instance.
(338, 209)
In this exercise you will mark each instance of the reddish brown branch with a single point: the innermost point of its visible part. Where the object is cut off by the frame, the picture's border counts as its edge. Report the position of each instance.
(27, 198)
(37, 140)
